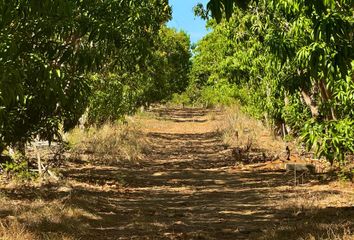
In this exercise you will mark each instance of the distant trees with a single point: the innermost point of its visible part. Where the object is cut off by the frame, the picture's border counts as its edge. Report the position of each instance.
(163, 72)
(170, 66)
(292, 63)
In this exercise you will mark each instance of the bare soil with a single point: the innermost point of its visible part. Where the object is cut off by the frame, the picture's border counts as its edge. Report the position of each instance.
(187, 187)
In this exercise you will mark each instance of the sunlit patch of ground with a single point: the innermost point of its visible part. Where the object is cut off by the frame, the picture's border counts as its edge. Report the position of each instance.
(189, 186)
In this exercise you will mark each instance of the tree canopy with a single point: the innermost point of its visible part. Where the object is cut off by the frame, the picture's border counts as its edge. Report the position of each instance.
(288, 62)
(291, 62)
(49, 50)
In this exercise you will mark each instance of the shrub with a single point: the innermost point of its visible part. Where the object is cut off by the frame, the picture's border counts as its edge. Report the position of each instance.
(330, 139)
(180, 99)
(222, 93)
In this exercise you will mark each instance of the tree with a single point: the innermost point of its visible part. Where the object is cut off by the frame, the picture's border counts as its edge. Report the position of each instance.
(164, 72)
(296, 58)
(170, 64)
(49, 48)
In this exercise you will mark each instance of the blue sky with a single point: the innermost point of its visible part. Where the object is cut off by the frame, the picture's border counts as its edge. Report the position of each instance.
(183, 18)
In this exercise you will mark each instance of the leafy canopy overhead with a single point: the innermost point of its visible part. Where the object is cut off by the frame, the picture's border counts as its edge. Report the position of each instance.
(49, 48)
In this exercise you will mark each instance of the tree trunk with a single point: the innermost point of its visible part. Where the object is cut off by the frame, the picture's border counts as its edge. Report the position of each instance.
(39, 162)
(326, 96)
(286, 103)
(313, 107)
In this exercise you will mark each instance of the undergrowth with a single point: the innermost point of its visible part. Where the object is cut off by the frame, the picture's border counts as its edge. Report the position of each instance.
(312, 213)
(112, 141)
(240, 129)
(221, 94)
(43, 220)
(13, 230)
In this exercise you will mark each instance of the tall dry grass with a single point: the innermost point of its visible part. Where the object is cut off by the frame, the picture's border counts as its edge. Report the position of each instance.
(312, 212)
(241, 130)
(309, 231)
(110, 142)
(40, 219)
(13, 230)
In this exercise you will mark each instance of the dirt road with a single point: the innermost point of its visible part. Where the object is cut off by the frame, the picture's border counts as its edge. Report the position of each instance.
(186, 188)
(183, 190)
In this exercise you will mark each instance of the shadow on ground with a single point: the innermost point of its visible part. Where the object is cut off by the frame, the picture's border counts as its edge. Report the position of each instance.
(184, 189)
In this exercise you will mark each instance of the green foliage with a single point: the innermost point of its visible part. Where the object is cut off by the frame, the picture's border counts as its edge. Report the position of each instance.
(295, 114)
(346, 174)
(216, 8)
(48, 50)
(111, 98)
(219, 94)
(164, 73)
(291, 62)
(181, 99)
(173, 62)
(331, 139)
(18, 170)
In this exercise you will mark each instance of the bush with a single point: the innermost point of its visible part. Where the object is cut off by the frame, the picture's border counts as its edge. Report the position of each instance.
(222, 93)
(180, 99)
(330, 139)
(18, 170)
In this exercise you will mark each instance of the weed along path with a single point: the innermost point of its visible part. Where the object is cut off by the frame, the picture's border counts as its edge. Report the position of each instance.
(187, 187)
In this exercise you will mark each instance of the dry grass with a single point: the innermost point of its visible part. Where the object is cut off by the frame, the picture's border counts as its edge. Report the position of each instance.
(318, 231)
(47, 213)
(256, 143)
(41, 219)
(313, 211)
(311, 198)
(111, 142)
(318, 212)
(200, 197)
(14, 231)
(241, 130)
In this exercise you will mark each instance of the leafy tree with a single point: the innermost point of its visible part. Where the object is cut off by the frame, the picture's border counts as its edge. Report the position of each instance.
(164, 72)
(49, 48)
(169, 65)
(176, 49)
(292, 62)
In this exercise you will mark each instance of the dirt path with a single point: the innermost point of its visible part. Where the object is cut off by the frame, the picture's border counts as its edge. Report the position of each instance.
(183, 190)
(186, 188)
